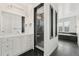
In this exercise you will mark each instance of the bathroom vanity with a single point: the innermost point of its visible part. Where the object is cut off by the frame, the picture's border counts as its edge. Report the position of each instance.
(13, 38)
(13, 45)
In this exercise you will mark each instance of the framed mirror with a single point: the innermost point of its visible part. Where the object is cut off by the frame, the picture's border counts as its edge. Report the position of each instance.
(23, 23)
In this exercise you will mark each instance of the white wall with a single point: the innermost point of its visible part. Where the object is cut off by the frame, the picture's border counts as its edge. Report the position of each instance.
(49, 44)
(68, 10)
(20, 10)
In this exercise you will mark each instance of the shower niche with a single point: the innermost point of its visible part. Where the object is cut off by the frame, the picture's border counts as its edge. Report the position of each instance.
(39, 27)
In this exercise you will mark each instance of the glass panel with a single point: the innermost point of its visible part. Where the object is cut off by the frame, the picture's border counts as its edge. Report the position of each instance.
(40, 30)
(39, 26)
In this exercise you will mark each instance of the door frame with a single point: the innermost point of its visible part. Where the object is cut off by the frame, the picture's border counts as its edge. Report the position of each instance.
(35, 9)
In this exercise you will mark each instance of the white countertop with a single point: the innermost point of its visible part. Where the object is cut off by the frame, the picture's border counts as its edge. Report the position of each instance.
(13, 35)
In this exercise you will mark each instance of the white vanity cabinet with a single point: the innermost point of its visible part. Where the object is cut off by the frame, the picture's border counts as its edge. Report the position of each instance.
(28, 45)
(15, 45)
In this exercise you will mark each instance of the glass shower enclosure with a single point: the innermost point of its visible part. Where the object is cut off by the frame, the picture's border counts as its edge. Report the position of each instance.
(39, 27)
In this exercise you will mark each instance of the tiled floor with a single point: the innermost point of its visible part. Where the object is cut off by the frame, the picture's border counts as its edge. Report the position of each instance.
(35, 52)
(29, 53)
(66, 48)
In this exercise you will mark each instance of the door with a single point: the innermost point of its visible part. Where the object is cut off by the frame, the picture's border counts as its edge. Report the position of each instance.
(39, 27)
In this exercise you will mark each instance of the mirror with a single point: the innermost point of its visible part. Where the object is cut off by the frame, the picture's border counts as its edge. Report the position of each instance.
(23, 23)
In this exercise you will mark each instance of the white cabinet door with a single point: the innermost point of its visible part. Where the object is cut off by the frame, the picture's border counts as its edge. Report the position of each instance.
(3, 46)
(31, 38)
(5, 49)
(28, 42)
(10, 46)
(16, 46)
(0, 47)
(22, 43)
